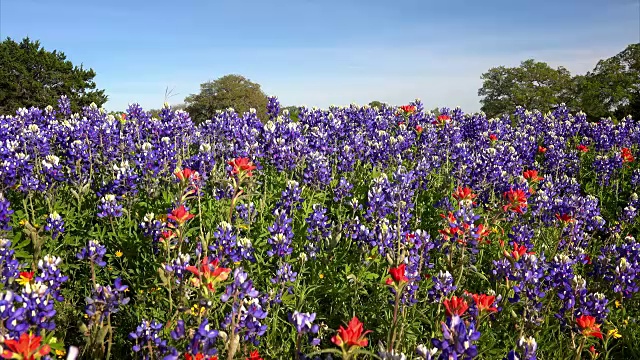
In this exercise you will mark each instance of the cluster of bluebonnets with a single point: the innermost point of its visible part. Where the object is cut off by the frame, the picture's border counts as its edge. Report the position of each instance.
(350, 232)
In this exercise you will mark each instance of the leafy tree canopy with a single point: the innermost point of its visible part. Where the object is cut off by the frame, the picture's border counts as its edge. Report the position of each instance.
(33, 76)
(229, 91)
(533, 84)
(613, 87)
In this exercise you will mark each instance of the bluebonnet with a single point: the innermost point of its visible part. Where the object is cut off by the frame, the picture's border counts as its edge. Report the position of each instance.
(106, 300)
(442, 286)
(342, 191)
(55, 225)
(619, 265)
(147, 335)
(527, 347)
(246, 212)
(202, 341)
(245, 306)
(9, 265)
(152, 228)
(291, 198)
(281, 235)
(457, 340)
(5, 214)
(94, 252)
(178, 266)
(51, 276)
(109, 207)
(318, 229)
(303, 322)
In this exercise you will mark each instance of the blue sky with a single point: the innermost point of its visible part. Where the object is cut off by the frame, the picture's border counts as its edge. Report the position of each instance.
(320, 52)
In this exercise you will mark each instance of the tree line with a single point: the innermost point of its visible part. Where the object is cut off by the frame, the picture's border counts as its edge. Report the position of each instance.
(33, 76)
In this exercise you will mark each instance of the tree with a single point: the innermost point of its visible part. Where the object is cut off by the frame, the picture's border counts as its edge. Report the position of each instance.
(533, 85)
(294, 111)
(613, 87)
(376, 103)
(229, 91)
(33, 76)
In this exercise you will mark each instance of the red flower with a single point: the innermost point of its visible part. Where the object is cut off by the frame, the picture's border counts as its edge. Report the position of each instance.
(532, 175)
(517, 201)
(255, 355)
(398, 275)
(588, 326)
(351, 336)
(582, 148)
(441, 120)
(210, 272)
(409, 109)
(464, 194)
(124, 117)
(564, 217)
(482, 232)
(25, 277)
(167, 235)
(186, 174)
(542, 149)
(455, 306)
(199, 357)
(493, 137)
(419, 129)
(518, 251)
(627, 156)
(592, 350)
(242, 165)
(485, 302)
(28, 347)
(180, 215)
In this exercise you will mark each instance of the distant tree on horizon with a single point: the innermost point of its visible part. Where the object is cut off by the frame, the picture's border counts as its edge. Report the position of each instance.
(32, 76)
(612, 88)
(533, 85)
(230, 91)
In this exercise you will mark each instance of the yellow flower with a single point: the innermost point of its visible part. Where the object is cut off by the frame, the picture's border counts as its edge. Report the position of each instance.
(614, 334)
(25, 278)
(236, 263)
(118, 253)
(618, 304)
(60, 352)
(321, 276)
(23, 222)
(625, 322)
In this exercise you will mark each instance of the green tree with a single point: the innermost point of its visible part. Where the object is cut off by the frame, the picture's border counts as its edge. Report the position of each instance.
(229, 91)
(294, 111)
(533, 85)
(613, 87)
(33, 76)
(376, 103)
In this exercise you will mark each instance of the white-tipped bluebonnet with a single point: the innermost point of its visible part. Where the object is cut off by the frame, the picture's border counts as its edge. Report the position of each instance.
(281, 235)
(109, 207)
(94, 252)
(5, 214)
(54, 225)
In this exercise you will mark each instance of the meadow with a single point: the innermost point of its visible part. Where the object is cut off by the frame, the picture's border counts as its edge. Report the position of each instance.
(349, 232)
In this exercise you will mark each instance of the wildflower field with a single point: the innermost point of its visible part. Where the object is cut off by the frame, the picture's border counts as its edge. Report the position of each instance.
(352, 232)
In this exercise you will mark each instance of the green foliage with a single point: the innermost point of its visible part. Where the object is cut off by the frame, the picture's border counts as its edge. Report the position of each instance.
(294, 112)
(31, 76)
(613, 87)
(229, 91)
(533, 85)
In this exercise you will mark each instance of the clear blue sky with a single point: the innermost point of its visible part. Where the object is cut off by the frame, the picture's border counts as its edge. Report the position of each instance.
(320, 52)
